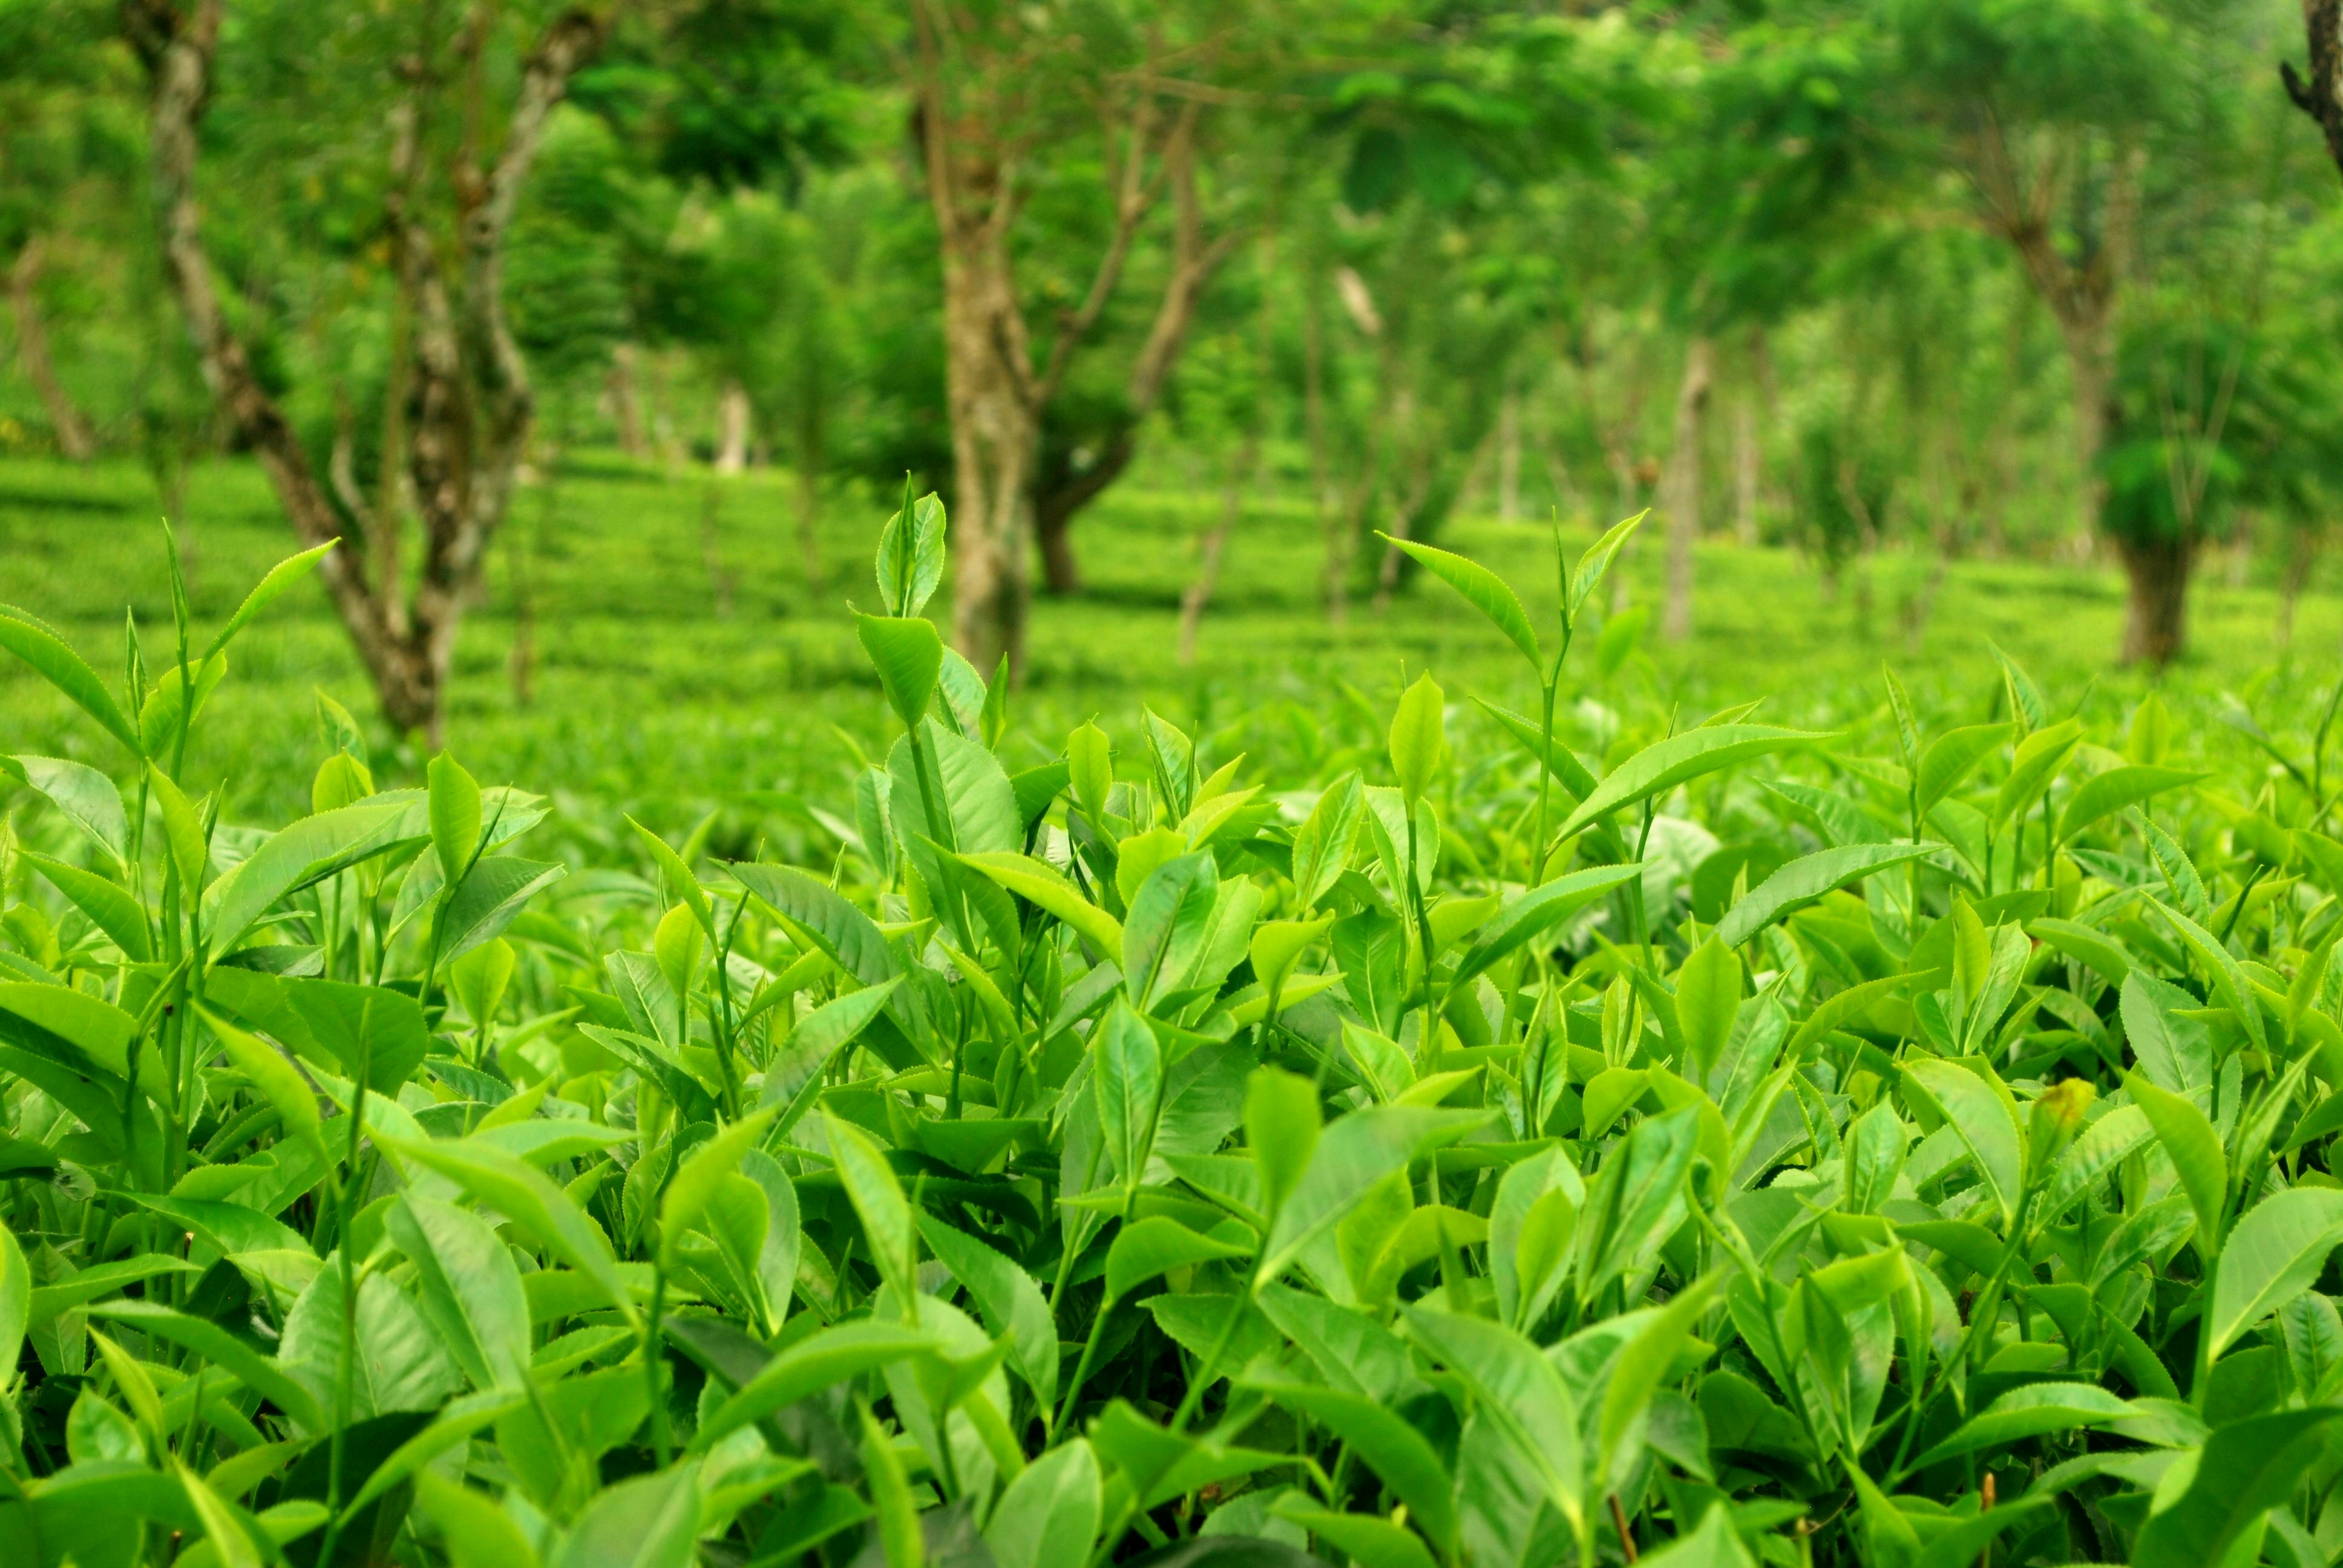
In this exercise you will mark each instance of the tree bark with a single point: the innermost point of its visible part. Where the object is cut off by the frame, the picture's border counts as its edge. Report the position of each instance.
(2321, 97)
(2155, 624)
(1683, 488)
(995, 425)
(1401, 433)
(1053, 521)
(732, 429)
(66, 421)
(178, 53)
(2087, 363)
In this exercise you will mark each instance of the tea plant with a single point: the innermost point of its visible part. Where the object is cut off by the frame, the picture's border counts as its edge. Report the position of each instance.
(1755, 1148)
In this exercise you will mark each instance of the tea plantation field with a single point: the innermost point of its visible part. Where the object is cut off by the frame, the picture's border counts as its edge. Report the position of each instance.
(1466, 1090)
(680, 665)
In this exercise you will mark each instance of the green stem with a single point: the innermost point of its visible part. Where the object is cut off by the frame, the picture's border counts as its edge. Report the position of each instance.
(726, 1040)
(1424, 1041)
(1098, 1323)
(662, 1442)
(1082, 1366)
(1546, 766)
(2200, 1384)
(1913, 918)
(1208, 1369)
(345, 1386)
(1987, 1307)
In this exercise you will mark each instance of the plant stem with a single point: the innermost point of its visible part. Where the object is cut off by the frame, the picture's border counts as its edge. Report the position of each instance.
(345, 1388)
(1209, 1368)
(1098, 1323)
(662, 1444)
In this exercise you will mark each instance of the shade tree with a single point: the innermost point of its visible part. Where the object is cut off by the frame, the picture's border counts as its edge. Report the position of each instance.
(1104, 120)
(68, 159)
(450, 154)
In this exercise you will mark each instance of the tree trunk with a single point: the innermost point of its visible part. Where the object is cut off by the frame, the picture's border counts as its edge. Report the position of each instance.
(1683, 488)
(2301, 560)
(1509, 455)
(471, 404)
(2087, 362)
(2321, 97)
(809, 464)
(1748, 469)
(1333, 576)
(2080, 288)
(66, 421)
(1060, 495)
(711, 549)
(1198, 594)
(732, 435)
(626, 402)
(1062, 569)
(1422, 473)
(1195, 260)
(996, 441)
(2156, 624)
(468, 404)
(178, 55)
(989, 392)
(1394, 436)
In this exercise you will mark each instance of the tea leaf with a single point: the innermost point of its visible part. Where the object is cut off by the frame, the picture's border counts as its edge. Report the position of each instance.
(1679, 760)
(63, 669)
(1482, 589)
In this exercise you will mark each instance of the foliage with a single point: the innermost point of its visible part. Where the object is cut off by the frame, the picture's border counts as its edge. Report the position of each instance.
(2212, 422)
(1941, 247)
(1745, 1137)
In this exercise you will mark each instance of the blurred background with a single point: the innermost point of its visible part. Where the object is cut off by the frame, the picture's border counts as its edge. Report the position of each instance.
(603, 337)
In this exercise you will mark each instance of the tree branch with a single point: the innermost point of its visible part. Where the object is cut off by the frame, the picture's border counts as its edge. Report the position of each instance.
(2321, 97)
(474, 403)
(178, 51)
(1134, 196)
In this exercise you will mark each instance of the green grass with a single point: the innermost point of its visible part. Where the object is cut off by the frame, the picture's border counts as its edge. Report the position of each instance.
(653, 692)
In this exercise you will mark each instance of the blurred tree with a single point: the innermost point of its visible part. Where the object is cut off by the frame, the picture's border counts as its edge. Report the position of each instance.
(1771, 141)
(993, 85)
(1438, 247)
(2207, 426)
(2048, 113)
(2088, 132)
(737, 113)
(455, 155)
(2320, 93)
(66, 145)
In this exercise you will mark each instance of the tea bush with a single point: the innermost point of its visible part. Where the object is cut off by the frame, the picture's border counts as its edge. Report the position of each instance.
(1756, 1144)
